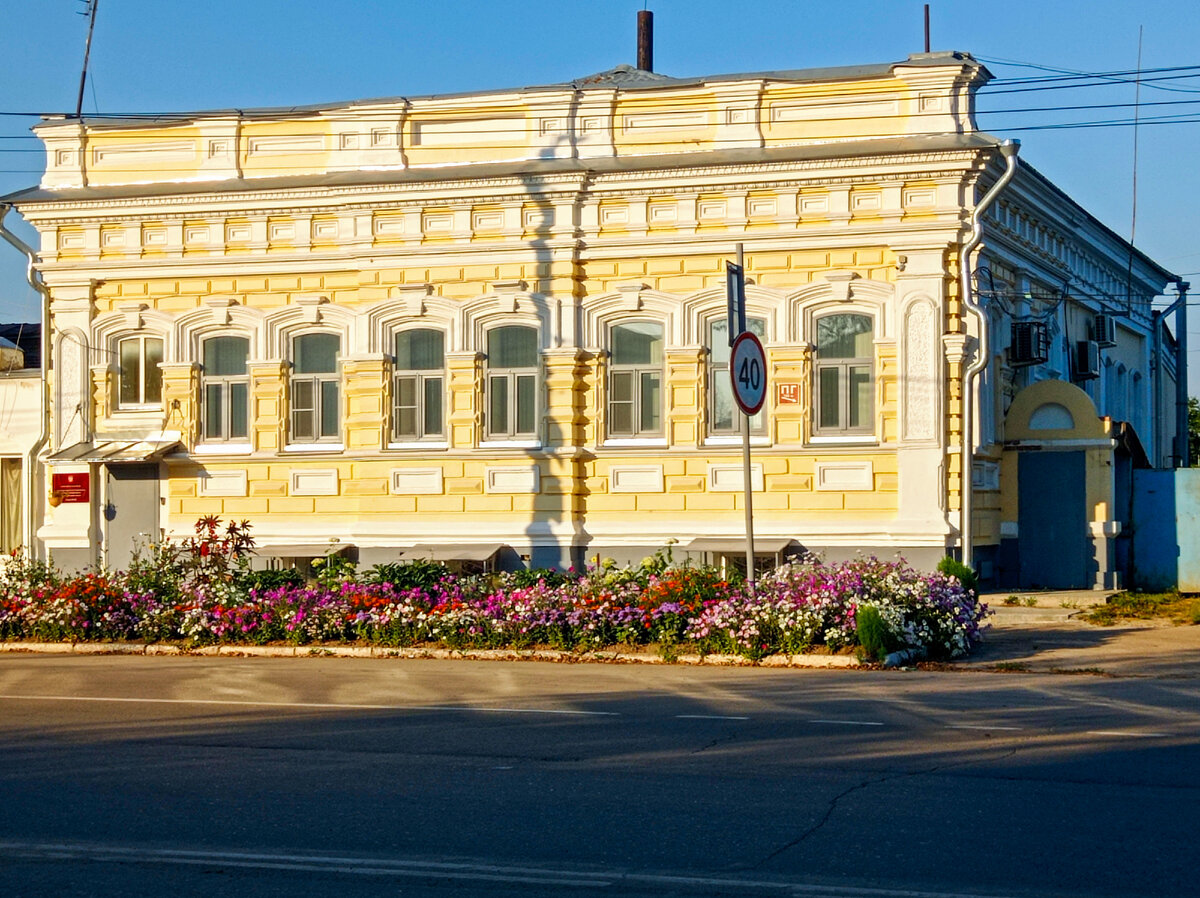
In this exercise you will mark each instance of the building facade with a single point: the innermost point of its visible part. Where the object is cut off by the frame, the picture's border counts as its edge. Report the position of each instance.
(449, 325)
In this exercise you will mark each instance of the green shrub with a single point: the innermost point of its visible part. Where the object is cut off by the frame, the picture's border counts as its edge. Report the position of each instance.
(264, 581)
(875, 639)
(415, 574)
(955, 568)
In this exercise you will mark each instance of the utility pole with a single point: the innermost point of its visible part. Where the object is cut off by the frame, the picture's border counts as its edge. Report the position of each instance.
(87, 51)
(1181, 376)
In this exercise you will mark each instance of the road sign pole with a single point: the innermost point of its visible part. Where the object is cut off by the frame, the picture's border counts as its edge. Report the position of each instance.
(747, 483)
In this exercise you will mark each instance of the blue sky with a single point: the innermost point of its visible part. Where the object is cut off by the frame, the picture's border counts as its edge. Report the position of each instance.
(152, 55)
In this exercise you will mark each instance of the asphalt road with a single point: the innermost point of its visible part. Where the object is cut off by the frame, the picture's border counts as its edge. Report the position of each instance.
(191, 776)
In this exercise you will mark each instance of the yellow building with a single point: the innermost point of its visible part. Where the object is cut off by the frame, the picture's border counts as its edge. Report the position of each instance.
(442, 325)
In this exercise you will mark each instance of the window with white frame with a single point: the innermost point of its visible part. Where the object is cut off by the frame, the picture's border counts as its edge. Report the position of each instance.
(225, 383)
(418, 385)
(139, 379)
(635, 380)
(316, 404)
(512, 382)
(10, 504)
(843, 372)
(723, 417)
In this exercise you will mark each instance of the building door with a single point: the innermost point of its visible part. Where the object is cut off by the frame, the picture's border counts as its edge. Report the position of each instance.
(131, 513)
(1052, 537)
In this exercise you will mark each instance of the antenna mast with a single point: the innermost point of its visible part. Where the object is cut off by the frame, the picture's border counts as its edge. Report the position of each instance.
(90, 11)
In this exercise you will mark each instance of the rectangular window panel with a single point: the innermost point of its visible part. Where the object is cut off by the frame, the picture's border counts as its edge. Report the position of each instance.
(329, 408)
(131, 372)
(526, 403)
(153, 374)
(433, 406)
(860, 397)
(405, 410)
(723, 407)
(828, 387)
(213, 396)
(10, 504)
(303, 410)
(498, 405)
(620, 414)
(651, 401)
(239, 407)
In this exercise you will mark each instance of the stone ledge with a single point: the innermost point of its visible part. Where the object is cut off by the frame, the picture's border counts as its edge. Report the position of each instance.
(361, 651)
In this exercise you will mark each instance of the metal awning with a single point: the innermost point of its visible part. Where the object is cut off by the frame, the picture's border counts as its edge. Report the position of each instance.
(114, 451)
(455, 552)
(737, 545)
(303, 550)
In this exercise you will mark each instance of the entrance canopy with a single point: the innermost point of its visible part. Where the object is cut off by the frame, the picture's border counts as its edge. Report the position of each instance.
(114, 451)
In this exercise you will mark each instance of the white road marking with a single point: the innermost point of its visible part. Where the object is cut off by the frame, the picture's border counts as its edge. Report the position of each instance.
(435, 870)
(1126, 733)
(330, 706)
(853, 723)
(972, 726)
(707, 717)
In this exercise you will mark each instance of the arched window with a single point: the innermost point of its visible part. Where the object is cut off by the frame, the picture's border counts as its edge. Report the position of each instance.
(139, 379)
(844, 374)
(418, 385)
(226, 387)
(723, 416)
(635, 380)
(512, 382)
(315, 388)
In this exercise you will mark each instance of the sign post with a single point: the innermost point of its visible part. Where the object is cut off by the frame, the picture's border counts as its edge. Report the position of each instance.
(748, 372)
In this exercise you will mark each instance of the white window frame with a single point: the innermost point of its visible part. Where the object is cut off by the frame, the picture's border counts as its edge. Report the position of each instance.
(511, 377)
(421, 376)
(843, 431)
(637, 433)
(225, 382)
(718, 372)
(317, 380)
(143, 373)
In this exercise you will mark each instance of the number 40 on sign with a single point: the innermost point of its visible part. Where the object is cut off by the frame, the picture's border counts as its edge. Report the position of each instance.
(748, 369)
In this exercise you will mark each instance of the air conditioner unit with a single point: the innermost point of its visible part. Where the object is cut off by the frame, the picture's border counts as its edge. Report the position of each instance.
(1085, 363)
(1104, 330)
(1030, 344)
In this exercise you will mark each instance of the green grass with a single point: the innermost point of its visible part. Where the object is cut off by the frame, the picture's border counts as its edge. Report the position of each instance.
(1146, 606)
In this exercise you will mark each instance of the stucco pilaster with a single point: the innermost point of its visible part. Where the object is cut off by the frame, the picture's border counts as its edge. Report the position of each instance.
(465, 370)
(365, 380)
(181, 400)
(685, 391)
(268, 412)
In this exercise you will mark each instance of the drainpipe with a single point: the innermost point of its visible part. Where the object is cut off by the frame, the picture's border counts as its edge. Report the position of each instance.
(32, 487)
(1181, 376)
(1009, 150)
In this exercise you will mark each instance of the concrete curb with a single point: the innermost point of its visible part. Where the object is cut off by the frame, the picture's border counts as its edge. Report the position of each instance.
(364, 651)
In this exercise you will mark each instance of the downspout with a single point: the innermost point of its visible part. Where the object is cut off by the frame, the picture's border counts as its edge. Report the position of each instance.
(1009, 150)
(34, 277)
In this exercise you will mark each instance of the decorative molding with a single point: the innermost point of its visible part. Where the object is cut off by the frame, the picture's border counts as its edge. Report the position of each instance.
(843, 476)
(224, 483)
(730, 477)
(513, 479)
(635, 479)
(314, 482)
(417, 481)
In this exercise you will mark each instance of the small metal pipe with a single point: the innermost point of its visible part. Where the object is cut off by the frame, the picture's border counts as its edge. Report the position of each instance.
(34, 277)
(1009, 150)
(1181, 376)
(645, 40)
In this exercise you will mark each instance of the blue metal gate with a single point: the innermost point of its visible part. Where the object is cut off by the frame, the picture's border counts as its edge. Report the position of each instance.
(1166, 530)
(1052, 535)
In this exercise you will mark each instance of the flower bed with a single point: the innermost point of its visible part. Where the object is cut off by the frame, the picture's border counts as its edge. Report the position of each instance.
(203, 594)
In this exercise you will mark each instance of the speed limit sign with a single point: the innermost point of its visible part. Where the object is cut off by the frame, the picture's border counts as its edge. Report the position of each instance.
(748, 369)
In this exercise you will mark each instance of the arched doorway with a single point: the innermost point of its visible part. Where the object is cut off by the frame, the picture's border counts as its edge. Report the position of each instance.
(1057, 491)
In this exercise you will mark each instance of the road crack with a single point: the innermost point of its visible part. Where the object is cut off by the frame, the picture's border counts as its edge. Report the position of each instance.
(858, 787)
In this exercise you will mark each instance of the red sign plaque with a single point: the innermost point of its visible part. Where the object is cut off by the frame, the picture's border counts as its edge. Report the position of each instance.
(788, 393)
(75, 487)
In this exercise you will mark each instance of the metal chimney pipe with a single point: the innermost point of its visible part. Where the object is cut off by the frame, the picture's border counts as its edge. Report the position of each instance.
(645, 38)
